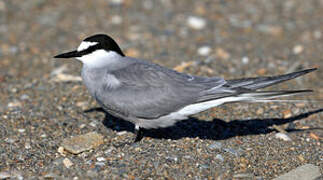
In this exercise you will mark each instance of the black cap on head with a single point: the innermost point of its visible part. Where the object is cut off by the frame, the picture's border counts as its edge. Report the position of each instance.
(102, 42)
(105, 42)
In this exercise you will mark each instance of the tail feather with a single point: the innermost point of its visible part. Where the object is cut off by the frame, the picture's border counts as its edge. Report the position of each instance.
(262, 82)
(267, 95)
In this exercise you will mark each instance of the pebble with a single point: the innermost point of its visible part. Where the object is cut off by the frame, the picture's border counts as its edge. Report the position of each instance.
(82, 104)
(314, 136)
(300, 105)
(67, 163)
(21, 130)
(93, 124)
(298, 49)
(14, 174)
(183, 66)
(204, 51)
(243, 175)
(4, 175)
(59, 70)
(121, 133)
(307, 171)
(317, 34)
(245, 60)
(27, 145)
(172, 158)
(100, 159)
(66, 78)
(216, 145)
(116, 2)
(219, 157)
(116, 19)
(24, 97)
(261, 71)
(51, 175)
(99, 163)
(269, 29)
(282, 136)
(60, 150)
(221, 53)
(10, 140)
(14, 104)
(196, 23)
(231, 151)
(82, 126)
(287, 114)
(260, 111)
(78, 144)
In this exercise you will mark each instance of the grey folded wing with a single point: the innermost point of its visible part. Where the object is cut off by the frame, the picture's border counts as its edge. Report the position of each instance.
(150, 91)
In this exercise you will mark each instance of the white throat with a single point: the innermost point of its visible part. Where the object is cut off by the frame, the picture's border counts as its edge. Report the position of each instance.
(99, 58)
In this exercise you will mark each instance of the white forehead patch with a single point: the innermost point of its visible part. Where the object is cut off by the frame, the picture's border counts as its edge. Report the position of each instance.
(85, 45)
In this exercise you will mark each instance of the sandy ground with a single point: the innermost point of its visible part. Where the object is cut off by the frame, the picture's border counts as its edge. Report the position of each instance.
(231, 39)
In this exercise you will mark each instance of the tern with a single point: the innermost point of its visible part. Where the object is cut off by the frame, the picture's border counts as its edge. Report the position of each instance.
(152, 96)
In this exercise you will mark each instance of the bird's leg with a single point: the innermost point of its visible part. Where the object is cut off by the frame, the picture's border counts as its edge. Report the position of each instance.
(139, 136)
(139, 133)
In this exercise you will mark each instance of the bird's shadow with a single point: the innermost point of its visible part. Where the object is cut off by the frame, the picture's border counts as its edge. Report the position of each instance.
(217, 129)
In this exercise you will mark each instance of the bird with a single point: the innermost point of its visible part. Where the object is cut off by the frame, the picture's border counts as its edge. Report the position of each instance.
(152, 96)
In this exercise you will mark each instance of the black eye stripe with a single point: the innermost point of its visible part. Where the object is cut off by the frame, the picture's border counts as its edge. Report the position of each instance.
(89, 50)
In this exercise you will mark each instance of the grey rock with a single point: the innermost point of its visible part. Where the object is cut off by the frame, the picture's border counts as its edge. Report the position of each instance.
(231, 151)
(82, 143)
(4, 175)
(243, 175)
(216, 145)
(219, 157)
(305, 172)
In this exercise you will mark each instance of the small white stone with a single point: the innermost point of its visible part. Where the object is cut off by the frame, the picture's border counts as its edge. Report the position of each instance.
(66, 78)
(100, 159)
(10, 140)
(67, 163)
(317, 34)
(93, 124)
(196, 22)
(24, 97)
(27, 145)
(4, 175)
(116, 19)
(219, 157)
(245, 60)
(14, 104)
(204, 51)
(43, 135)
(121, 133)
(283, 136)
(21, 130)
(82, 126)
(99, 163)
(60, 150)
(116, 2)
(298, 49)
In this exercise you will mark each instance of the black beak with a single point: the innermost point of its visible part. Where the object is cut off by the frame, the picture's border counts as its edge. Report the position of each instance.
(69, 55)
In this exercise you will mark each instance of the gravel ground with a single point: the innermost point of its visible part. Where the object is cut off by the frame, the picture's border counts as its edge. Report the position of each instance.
(211, 38)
